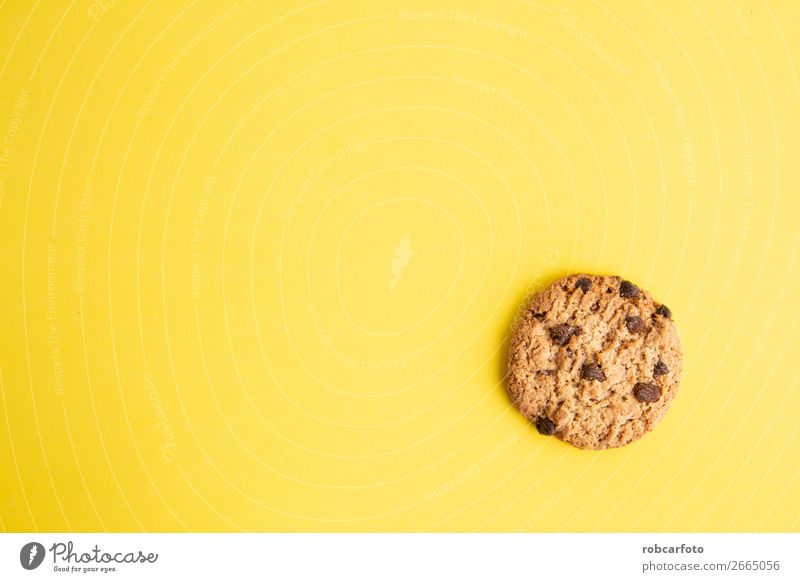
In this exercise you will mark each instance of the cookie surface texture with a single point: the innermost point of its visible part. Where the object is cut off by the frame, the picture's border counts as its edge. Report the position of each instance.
(594, 361)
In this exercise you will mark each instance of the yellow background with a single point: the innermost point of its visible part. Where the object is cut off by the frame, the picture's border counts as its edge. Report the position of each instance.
(201, 204)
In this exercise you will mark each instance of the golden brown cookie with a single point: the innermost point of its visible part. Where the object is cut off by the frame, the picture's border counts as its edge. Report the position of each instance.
(594, 361)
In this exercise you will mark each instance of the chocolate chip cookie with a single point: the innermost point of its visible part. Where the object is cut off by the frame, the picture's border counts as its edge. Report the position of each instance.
(594, 361)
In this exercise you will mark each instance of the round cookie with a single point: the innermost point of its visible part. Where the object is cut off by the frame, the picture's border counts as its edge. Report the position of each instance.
(594, 361)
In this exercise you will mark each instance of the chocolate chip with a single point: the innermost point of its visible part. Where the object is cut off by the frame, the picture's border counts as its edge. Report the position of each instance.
(561, 333)
(660, 369)
(595, 307)
(634, 324)
(583, 284)
(592, 372)
(539, 316)
(628, 290)
(646, 392)
(664, 311)
(545, 426)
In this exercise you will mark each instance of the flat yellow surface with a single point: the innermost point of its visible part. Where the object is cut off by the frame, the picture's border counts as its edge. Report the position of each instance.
(260, 260)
